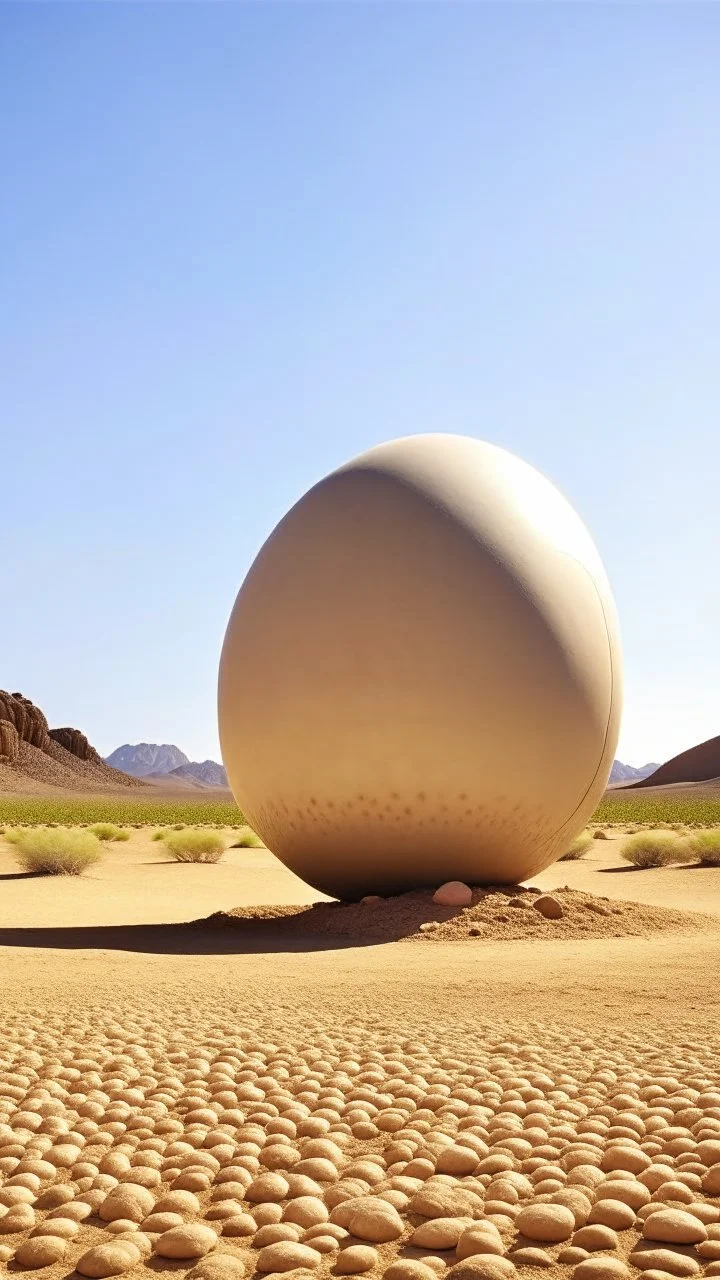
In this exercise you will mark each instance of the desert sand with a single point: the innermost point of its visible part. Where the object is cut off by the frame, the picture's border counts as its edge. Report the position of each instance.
(325, 1106)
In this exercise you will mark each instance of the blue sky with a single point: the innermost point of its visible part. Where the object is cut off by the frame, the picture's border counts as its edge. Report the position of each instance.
(242, 243)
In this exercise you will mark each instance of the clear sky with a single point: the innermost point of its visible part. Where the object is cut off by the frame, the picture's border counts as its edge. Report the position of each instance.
(242, 243)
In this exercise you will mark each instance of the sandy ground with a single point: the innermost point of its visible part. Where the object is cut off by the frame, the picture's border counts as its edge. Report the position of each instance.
(136, 883)
(116, 981)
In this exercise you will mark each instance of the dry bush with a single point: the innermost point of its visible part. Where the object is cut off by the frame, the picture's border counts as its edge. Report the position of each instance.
(108, 831)
(600, 834)
(706, 847)
(579, 847)
(194, 845)
(56, 852)
(247, 839)
(158, 835)
(656, 849)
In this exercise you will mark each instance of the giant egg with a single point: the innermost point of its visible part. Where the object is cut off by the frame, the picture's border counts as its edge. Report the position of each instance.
(421, 676)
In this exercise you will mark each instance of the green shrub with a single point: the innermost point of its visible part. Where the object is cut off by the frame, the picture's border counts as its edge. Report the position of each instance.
(194, 845)
(57, 852)
(706, 846)
(247, 839)
(578, 848)
(107, 831)
(158, 835)
(656, 849)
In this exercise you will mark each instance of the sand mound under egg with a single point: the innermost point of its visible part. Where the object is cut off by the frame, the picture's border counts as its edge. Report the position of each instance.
(507, 913)
(238, 1138)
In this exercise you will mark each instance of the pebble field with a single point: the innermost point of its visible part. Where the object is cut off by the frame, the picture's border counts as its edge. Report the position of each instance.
(234, 1137)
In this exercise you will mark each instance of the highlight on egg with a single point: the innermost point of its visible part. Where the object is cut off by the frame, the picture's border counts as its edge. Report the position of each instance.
(421, 675)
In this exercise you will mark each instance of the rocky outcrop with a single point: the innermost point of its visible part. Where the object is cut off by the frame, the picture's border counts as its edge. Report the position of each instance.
(9, 742)
(52, 757)
(76, 743)
(31, 725)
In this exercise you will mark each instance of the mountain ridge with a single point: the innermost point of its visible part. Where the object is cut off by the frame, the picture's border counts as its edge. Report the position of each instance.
(629, 773)
(165, 760)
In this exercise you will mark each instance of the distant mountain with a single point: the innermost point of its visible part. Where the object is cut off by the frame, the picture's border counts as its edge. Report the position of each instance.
(148, 760)
(207, 771)
(627, 773)
(146, 757)
(697, 764)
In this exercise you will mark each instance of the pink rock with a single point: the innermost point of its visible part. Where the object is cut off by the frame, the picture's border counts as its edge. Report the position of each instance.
(453, 894)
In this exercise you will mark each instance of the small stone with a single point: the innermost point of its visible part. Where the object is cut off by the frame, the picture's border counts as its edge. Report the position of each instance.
(142, 1240)
(158, 1222)
(628, 1158)
(41, 1251)
(19, 1218)
(239, 1225)
(576, 1201)
(409, 1269)
(127, 1200)
(675, 1264)
(377, 1222)
(602, 1269)
(444, 1200)
(612, 1213)
(219, 1266)
(675, 1227)
(189, 1241)
(439, 1233)
(708, 1151)
(570, 1256)
(325, 1229)
(65, 1228)
(711, 1180)
(306, 1211)
(110, 1259)
(355, 1259)
(323, 1244)
(453, 894)
(269, 1187)
(628, 1191)
(286, 1256)
(52, 1197)
(595, 1237)
(709, 1249)
(549, 1222)
(183, 1202)
(530, 1257)
(274, 1232)
(457, 1160)
(483, 1267)
(481, 1238)
(548, 906)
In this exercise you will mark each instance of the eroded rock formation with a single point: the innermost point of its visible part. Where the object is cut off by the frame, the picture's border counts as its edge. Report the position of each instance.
(75, 742)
